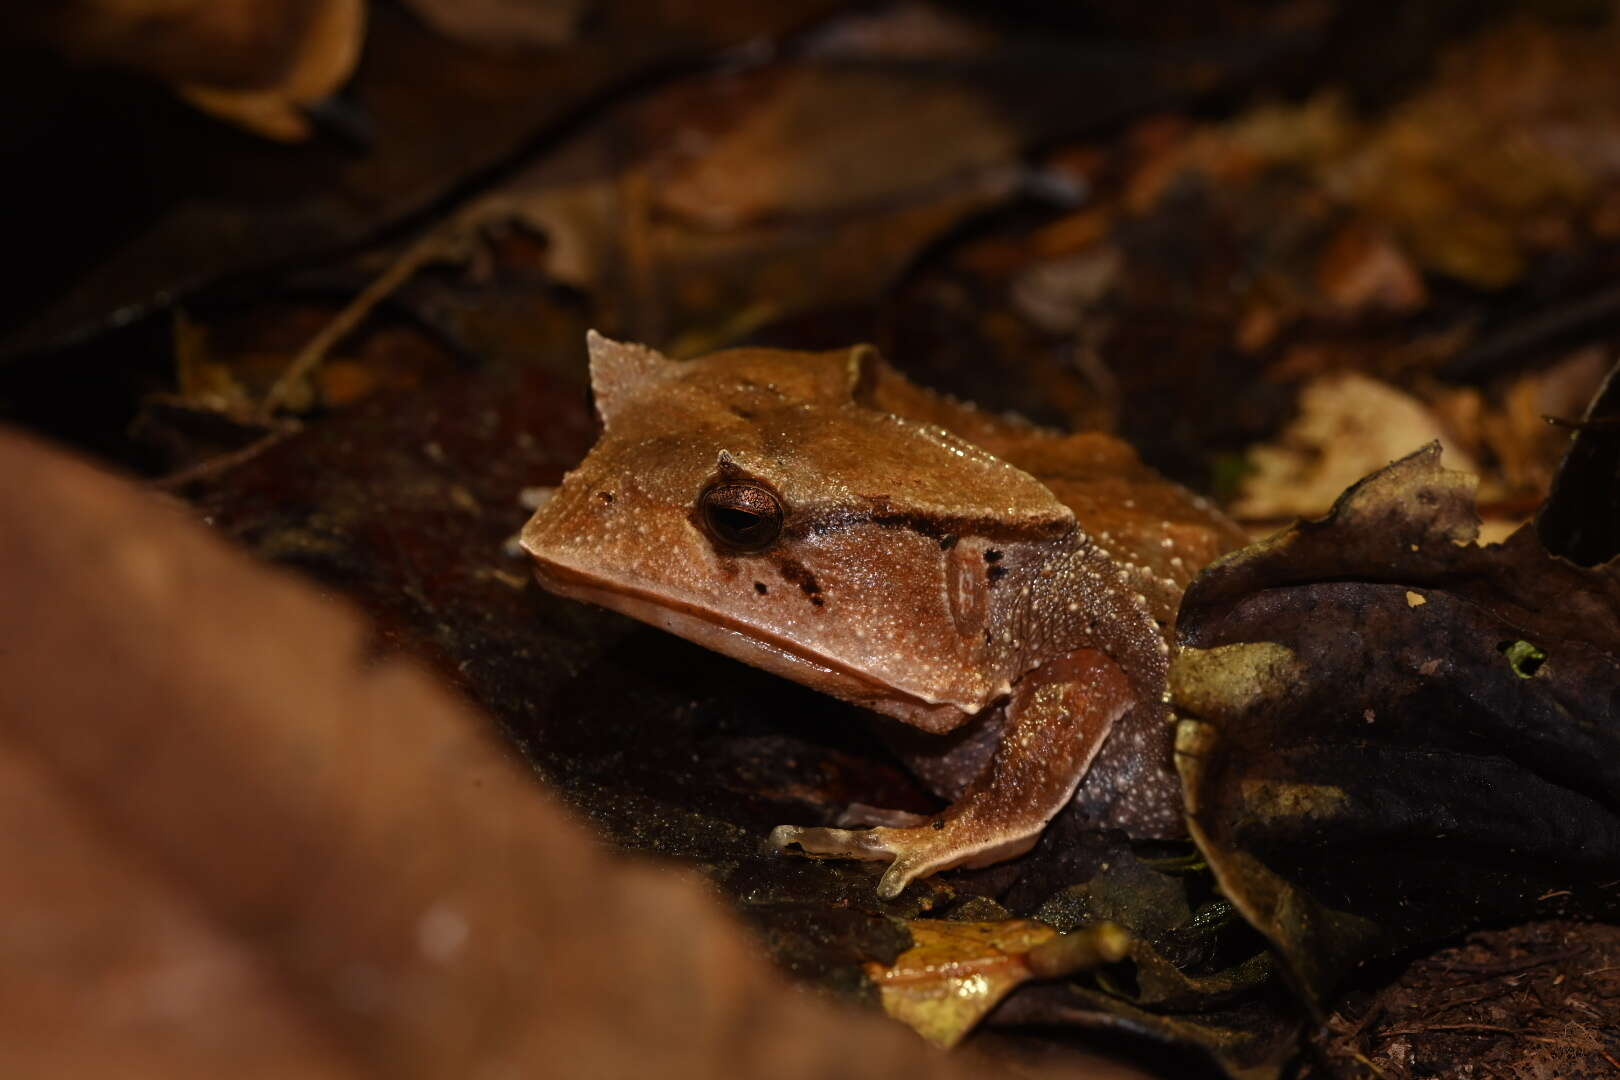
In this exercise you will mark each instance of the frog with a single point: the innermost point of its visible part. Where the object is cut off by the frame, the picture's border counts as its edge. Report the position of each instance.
(999, 594)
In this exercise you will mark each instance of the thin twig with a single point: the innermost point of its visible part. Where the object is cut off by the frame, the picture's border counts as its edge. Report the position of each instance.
(1467, 1029)
(224, 463)
(427, 249)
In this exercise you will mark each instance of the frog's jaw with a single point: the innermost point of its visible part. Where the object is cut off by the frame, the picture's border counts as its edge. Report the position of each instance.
(751, 645)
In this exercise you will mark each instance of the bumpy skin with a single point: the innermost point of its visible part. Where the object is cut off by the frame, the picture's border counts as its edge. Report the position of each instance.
(1004, 589)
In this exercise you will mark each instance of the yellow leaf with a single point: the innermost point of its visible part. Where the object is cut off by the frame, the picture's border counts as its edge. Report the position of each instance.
(956, 972)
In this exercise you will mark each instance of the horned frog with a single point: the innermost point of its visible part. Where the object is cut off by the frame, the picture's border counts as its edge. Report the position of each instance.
(1005, 589)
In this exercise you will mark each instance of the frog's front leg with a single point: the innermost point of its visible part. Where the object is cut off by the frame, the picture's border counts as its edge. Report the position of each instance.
(1057, 719)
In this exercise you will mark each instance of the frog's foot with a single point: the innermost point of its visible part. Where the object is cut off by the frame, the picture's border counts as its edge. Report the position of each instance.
(1055, 721)
(943, 842)
(858, 815)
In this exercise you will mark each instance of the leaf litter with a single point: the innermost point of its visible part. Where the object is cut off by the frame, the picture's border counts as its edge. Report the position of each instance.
(1351, 263)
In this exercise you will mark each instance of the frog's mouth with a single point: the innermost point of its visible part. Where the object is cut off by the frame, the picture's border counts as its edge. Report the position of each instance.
(751, 644)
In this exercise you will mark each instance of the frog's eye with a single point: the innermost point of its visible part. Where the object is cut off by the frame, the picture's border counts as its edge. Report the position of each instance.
(742, 516)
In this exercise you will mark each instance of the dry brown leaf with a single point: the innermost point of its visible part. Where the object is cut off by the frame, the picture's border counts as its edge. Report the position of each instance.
(208, 209)
(794, 188)
(238, 43)
(821, 140)
(254, 63)
(1348, 426)
(1517, 131)
(1506, 422)
(1507, 154)
(318, 66)
(240, 840)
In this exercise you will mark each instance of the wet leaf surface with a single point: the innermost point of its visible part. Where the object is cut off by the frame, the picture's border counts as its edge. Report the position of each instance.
(955, 972)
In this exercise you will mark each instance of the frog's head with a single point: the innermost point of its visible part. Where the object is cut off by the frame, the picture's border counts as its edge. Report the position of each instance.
(749, 501)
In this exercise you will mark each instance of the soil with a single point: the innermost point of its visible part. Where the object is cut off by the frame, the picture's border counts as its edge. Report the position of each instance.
(1534, 1002)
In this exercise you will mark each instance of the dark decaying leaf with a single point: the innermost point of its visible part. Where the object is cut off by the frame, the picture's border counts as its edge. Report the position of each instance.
(1397, 733)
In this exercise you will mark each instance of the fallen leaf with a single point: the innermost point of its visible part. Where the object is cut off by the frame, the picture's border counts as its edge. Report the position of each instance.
(242, 45)
(956, 972)
(439, 114)
(1250, 1038)
(1348, 425)
(319, 65)
(1490, 165)
(253, 843)
(258, 64)
(1364, 773)
(1199, 978)
(871, 136)
(1504, 425)
(1060, 295)
(1518, 129)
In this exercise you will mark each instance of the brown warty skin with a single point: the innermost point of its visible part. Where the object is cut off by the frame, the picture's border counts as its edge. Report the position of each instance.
(1007, 589)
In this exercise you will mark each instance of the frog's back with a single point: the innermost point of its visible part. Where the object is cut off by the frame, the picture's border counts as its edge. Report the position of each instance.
(1129, 508)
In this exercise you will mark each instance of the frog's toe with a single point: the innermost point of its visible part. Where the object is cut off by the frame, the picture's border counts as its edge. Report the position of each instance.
(911, 853)
(905, 869)
(844, 843)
